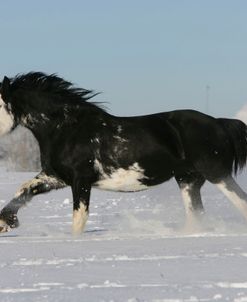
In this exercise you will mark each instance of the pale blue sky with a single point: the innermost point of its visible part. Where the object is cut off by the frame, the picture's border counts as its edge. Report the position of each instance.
(145, 56)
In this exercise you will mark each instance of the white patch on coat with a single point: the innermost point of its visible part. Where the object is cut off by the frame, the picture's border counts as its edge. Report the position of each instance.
(95, 140)
(120, 139)
(6, 118)
(120, 179)
(25, 120)
(80, 217)
(119, 129)
(31, 121)
(28, 120)
(44, 117)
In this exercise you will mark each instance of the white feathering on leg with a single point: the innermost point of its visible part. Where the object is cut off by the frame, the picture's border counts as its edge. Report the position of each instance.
(235, 194)
(80, 217)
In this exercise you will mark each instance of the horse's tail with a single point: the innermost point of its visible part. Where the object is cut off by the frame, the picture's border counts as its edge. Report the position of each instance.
(237, 133)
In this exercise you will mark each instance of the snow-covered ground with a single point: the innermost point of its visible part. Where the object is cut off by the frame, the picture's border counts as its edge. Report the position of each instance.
(134, 249)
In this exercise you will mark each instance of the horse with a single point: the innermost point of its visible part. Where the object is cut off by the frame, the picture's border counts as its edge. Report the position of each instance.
(83, 146)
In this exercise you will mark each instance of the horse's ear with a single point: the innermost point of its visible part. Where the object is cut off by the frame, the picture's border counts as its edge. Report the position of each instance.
(5, 89)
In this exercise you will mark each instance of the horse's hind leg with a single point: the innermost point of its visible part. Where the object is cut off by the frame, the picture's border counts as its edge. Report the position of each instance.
(235, 194)
(42, 183)
(190, 185)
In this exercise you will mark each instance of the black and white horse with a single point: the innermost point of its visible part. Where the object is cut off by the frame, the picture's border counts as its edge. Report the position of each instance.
(83, 146)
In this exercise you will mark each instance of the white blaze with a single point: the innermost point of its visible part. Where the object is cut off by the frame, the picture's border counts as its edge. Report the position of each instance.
(6, 118)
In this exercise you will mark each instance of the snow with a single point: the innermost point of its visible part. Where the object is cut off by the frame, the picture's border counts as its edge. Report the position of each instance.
(134, 248)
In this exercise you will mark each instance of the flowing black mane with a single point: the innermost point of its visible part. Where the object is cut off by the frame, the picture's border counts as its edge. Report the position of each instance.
(54, 86)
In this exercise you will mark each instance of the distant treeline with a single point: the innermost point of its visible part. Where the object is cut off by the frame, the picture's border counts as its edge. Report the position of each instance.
(19, 151)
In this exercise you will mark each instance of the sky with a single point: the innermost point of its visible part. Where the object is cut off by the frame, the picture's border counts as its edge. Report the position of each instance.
(144, 56)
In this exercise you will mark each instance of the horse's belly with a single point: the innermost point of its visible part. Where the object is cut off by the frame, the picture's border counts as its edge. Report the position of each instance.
(127, 180)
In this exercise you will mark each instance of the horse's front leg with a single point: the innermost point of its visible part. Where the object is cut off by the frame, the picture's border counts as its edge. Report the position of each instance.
(81, 197)
(42, 183)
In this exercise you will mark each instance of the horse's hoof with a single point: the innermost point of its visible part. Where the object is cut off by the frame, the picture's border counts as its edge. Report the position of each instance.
(13, 221)
(4, 228)
(7, 221)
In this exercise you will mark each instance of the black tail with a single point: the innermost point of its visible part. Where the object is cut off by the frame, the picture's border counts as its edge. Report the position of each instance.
(237, 132)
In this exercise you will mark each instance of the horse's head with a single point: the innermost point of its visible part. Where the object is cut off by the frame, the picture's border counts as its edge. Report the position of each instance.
(35, 99)
(7, 121)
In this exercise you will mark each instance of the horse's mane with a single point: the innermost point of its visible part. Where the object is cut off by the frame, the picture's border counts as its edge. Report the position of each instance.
(54, 85)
